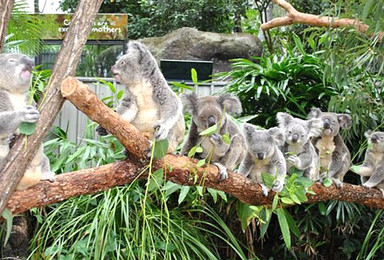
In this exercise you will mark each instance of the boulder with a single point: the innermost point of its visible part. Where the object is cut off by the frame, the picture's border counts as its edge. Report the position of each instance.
(192, 44)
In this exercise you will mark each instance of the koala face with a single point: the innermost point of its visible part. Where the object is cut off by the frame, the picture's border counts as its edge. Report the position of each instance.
(298, 131)
(262, 143)
(332, 122)
(15, 75)
(135, 65)
(209, 110)
(376, 139)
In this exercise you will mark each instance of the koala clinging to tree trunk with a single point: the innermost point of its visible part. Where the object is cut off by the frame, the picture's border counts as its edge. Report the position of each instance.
(298, 148)
(148, 103)
(264, 156)
(15, 77)
(333, 153)
(206, 112)
(372, 169)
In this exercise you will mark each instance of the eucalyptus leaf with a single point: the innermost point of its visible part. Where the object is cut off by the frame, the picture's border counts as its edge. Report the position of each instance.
(161, 148)
(27, 128)
(210, 130)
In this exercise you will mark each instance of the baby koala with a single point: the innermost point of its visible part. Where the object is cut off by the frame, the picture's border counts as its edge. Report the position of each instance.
(334, 154)
(372, 169)
(206, 112)
(264, 156)
(298, 150)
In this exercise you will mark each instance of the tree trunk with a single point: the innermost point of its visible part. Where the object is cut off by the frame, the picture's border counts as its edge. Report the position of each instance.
(5, 16)
(179, 169)
(66, 62)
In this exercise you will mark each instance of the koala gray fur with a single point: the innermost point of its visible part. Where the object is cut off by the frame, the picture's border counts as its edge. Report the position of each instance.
(264, 156)
(333, 153)
(148, 103)
(372, 169)
(298, 149)
(206, 112)
(15, 78)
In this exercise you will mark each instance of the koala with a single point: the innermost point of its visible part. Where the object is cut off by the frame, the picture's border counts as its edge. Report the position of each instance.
(333, 153)
(372, 169)
(148, 103)
(206, 112)
(15, 78)
(298, 149)
(264, 156)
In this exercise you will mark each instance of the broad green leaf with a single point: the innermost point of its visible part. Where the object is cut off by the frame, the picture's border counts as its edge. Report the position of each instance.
(210, 130)
(268, 179)
(298, 43)
(266, 216)
(170, 188)
(27, 128)
(222, 195)
(292, 224)
(199, 190)
(213, 193)
(355, 168)
(284, 227)
(200, 163)
(327, 182)
(286, 200)
(183, 193)
(226, 139)
(120, 94)
(275, 201)
(244, 212)
(199, 149)
(194, 75)
(156, 180)
(192, 152)
(7, 215)
(322, 208)
(161, 148)
(295, 199)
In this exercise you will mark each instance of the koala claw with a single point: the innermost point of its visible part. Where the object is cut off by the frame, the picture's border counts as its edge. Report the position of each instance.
(101, 131)
(48, 176)
(30, 114)
(294, 160)
(161, 132)
(338, 183)
(264, 190)
(216, 139)
(222, 171)
(277, 186)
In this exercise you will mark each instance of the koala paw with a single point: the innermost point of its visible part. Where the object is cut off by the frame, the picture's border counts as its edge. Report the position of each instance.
(161, 132)
(264, 190)
(48, 176)
(222, 171)
(338, 183)
(216, 139)
(101, 131)
(30, 114)
(277, 186)
(294, 160)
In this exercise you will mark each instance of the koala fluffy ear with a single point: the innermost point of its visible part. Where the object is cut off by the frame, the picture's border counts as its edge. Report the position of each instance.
(189, 102)
(247, 130)
(344, 119)
(315, 112)
(231, 103)
(278, 134)
(315, 126)
(368, 133)
(284, 119)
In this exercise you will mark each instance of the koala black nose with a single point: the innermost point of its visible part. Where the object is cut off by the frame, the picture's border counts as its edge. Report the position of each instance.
(260, 156)
(374, 139)
(327, 123)
(295, 137)
(211, 120)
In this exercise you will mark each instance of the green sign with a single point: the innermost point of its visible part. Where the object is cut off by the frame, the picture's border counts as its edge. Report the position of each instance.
(105, 26)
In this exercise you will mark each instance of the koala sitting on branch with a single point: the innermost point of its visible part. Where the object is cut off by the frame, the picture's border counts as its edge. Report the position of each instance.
(264, 156)
(298, 148)
(206, 112)
(148, 103)
(372, 169)
(15, 78)
(333, 153)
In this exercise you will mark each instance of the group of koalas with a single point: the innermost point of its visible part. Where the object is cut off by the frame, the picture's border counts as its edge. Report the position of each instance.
(313, 146)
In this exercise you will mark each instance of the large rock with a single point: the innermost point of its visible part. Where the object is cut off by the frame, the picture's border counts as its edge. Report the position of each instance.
(191, 44)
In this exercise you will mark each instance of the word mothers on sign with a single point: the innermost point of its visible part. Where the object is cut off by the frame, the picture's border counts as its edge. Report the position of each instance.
(105, 26)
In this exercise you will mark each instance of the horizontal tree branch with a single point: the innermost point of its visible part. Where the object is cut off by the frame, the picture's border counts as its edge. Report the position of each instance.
(294, 16)
(178, 169)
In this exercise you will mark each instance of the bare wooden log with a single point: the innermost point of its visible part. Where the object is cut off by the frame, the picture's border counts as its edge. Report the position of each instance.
(75, 91)
(66, 62)
(5, 16)
(294, 16)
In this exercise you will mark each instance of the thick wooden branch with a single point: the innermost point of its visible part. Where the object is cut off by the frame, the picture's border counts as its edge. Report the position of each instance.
(65, 65)
(179, 169)
(294, 16)
(75, 91)
(5, 16)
